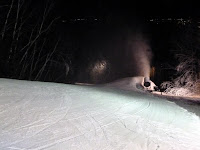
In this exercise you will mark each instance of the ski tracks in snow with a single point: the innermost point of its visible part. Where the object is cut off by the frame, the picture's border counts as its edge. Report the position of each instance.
(36, 116)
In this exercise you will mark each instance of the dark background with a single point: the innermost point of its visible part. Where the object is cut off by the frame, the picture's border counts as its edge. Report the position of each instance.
(78, 22)
(163, 35)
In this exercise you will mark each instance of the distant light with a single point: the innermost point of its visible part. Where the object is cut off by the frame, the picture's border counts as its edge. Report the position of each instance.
(63, 21)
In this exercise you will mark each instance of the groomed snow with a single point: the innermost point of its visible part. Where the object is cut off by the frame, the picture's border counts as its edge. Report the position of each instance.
(41, 115)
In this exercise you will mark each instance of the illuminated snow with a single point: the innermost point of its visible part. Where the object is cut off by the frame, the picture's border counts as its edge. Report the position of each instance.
(39, 115)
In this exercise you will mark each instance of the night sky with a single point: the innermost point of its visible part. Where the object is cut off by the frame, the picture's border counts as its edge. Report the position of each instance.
(141, 8)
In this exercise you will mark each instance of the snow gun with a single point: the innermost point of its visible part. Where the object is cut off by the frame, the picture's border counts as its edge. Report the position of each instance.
(149, 85)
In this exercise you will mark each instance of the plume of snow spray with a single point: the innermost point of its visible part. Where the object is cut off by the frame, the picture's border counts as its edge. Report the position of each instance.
(139, 54)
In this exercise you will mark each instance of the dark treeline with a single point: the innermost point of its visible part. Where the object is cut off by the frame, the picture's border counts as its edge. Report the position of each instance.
(170, 41)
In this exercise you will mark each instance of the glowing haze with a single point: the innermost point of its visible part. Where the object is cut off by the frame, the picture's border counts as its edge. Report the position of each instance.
(115, 50)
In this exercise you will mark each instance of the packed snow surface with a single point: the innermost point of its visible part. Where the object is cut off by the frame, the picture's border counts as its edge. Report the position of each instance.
(52, 116)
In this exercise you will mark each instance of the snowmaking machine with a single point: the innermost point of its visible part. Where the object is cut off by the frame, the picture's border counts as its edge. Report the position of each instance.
(149, 85)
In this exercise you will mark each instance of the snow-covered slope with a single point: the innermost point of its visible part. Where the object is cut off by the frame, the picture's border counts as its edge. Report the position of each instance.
(39, 115)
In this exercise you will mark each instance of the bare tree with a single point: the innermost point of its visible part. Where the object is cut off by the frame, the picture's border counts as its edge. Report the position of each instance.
(186, 81)
(28, 39)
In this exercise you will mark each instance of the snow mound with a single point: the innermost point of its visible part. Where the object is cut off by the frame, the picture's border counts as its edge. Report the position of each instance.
(131, 84)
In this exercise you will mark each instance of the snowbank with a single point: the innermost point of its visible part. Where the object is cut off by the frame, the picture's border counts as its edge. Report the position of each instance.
(39, 115)
(131, 84)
